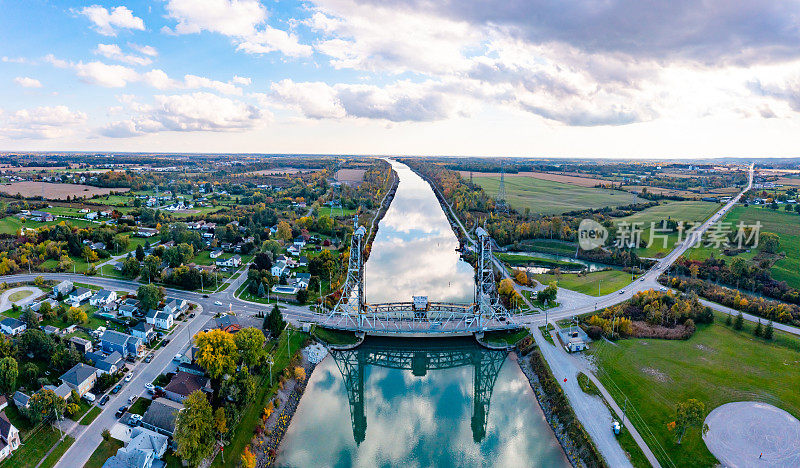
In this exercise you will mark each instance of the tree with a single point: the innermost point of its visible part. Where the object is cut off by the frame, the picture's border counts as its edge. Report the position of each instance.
(131, 267)
(217, 352)
(76, 315)
(728, 320)
(152, 267)
(220, 422)
(274, 321)
(689, 413)
(250, 343)
(284, 231)
(194, 429)
(248, 458)
(302, 296)
(37, 343)
(263, 261)
(521, 277)
(46, 310)
(29, 373)
(548, 294)
(45, 405)
(768, 331)
(758, 330)
(150, 296)
(8, 374)
(770, 242)
(738, 324)
(29, 317)
(139, 253)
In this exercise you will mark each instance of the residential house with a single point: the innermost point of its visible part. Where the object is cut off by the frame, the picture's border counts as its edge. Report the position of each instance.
(9, 437)
(228, 323)
(184, 384)
(215, 253)
(293, 250)
(302, 280)
(124, 344)
(163, 320)
(234, 262)
(91, 215)
(278, 268)
(41, 216)
(62, 288)
(175, 307)
(160, 416)
(21, 400)
(191, 368)
(108, 364)
(150, 316)
(141, 451)
(299, 242)
(302, 261)
(81, 345)
(80, 378)
(146, 232)
(12, 326)
(3, 402)
(143, 330)
(51, 330)
(98, 246)
(38, 305)
(103, 297)
(79, 295)
(63, 390)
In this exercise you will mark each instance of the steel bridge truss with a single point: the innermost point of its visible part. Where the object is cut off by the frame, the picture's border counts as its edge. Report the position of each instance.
(485, 313)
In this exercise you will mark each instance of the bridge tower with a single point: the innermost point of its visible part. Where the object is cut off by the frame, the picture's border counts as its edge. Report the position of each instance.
(349, 309)
(487, 301)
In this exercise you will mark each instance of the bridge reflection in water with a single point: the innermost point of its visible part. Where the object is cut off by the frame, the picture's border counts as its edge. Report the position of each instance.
(419, 357)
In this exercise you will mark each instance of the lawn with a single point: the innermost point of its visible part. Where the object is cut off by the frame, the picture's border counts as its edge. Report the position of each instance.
(34, 447)
(91, 416)
(104, 451)
(140, 405)
(555, 247)
(608, 281)
(508, 337)
(18, 296)
(550, 197)
(716, 365)
(335, 337)
(56, 454)
(529, 260)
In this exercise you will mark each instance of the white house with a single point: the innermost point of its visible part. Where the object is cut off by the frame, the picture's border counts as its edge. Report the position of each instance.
(91, 215)
(293, 250)
(9, 437)
(12, 326)
(278, 268)
(79, 295)
(175, 307)
(62, 288)
(234, 262)
(103, 297)
(215, 253)
(163, 320)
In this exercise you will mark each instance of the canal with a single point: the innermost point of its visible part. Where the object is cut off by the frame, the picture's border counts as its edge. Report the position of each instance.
(413, 402)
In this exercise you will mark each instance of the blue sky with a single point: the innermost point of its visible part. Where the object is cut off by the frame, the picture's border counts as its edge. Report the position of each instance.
(620, 78)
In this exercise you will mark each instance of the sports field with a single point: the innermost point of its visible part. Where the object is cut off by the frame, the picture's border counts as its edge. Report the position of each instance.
(716, 365)
(608, 281)
(551, 197)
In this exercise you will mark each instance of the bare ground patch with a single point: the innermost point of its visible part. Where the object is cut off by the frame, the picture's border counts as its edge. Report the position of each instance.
(55, 191)
(657, 375)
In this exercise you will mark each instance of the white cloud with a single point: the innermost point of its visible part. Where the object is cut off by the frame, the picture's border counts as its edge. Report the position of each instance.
(200, 111)
(114, 52)
(108, 76)
(107, 22)
(27, 82)
(41, 122)
(242, 20)
(150, 51)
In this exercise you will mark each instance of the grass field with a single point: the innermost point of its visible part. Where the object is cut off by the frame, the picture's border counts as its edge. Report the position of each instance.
(103, 452)
(716, 365)
(608, 280)
(56, 454)
(34, 446)
(19, 295)
(550, 197)
(530, 260)
(12, 224)
(555, 247)
(335, 337)
(91, 416)
(687, 211)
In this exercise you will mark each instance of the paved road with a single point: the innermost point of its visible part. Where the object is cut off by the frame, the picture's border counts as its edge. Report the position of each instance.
(6, 304)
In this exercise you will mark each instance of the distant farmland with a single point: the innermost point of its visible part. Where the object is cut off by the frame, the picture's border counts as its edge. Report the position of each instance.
(550, 197)
(55, 191)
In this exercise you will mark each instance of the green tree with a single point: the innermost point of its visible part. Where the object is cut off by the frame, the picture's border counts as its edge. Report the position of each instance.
(770, 242)
(131, 267)
(250, 343)
(152, 267)
(150, 296)
(728, 320)
(45, 405)
(689, 413)
(220, 422)
(36, 342)
(8, 374)
(274, 321)
(195, 429)
(216, 353)
(29, 317)
(29, 373)
(139, 253)
(302, 296)
(758, 330)
(738, 324)
(768, 331)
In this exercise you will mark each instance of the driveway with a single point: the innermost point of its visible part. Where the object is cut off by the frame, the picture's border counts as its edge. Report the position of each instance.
(5, 303)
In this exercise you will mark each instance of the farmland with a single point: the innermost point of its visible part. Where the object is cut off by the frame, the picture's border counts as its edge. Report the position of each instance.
(567, 179)
(607, 280)
(551, 197)
(55, 191)
(716, 365)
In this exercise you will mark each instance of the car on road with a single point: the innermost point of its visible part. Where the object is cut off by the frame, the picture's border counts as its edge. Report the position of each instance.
(622, 291)
(177, 357)
(148, 358)
(205, 296)
(129, 377)
(217, 303)
(116, 389)
(149, 386)
(104, 400)
(132, 398)
(191, 315)
(662, 289)
(642, 280)
(121, 411)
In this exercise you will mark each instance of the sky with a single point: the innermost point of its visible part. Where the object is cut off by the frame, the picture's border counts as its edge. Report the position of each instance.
(569, 78)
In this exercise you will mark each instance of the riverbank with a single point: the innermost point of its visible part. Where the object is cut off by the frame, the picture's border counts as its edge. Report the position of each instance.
(576, 443)
(385, 203)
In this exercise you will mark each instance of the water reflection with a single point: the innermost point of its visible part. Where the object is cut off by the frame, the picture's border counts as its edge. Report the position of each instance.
(413, 403)
(414, 250)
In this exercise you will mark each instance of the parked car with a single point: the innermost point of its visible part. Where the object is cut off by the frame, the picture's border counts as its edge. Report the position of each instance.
(136, 417)
(116, 389)
(149, 386)
(148, 358)
(104, 400)
(129, 376)
(191, 315)
(177, 357)
(131, 399)
(121, 411)
(89, 397)
(205, 296)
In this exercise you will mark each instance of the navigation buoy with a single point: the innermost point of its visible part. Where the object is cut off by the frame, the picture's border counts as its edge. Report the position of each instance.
(565, 379)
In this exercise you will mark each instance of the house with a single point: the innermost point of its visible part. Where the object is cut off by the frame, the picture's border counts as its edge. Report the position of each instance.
(302, 280)
(9, 437)
(302, 261)
(81, 345)
(144, 331)
(79, 295)
(293, 250)
(124, 344)
(163, 320)
(80, 378)
(51, 330)
(175, 307)
(63, 390)
(146, 232)
(12, 326)
(278, 268)
(105, 364)
(142, 450)
(62, 288)
(38, 305)
(41, 216)
(103, 297)
(3, 402)
(150, 316)
(228, 323)
(21, 400)
(191, 368)
(160, 416)
(234, 261)
(98, 246)
(184, 384)
(215, 253)
(91, 215)
(299, 242)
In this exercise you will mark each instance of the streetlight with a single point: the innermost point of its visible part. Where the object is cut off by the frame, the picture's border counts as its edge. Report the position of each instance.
(270, 362)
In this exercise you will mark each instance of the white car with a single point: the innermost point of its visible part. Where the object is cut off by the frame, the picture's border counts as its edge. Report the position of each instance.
(89, 397)
(149, 386)
(662, 289)
(136, 417)
(131, 399)
(217, 303)
(622, 291)
(129, 377)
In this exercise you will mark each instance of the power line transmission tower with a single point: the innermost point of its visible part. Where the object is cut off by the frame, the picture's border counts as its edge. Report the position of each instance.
(501, 191)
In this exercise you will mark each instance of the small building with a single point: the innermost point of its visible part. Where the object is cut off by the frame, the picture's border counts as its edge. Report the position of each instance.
(41, 216)
(146, 232)
(103, 297)
(228, 323)
(141, 451)
(81, 345)
(91, 215)
(302, 261)
(9, 437)
(127, 310)
(143, 330)
(232, 262)
(126, 345)
(63, 288)
(12, 326)
(105, 364)
(215, 253)
(160, 416)
(184, 384)
(278, 268)
(80, 378)
(51, 330)
(63, 390)
(573, 339)
(21, 400)
(79, 295)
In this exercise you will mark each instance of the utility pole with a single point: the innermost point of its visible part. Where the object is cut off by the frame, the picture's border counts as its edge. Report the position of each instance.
(624, 410)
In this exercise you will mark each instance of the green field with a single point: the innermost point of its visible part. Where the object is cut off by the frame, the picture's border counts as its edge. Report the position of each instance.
(687, 211)
(12, 224)
(34, 447)
(716, 365)
(608, 280)
(555, 247)
(103, 452)
(549, 197)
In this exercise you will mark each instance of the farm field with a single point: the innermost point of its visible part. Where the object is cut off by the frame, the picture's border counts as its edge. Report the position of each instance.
(716, 365)
(565, 178)
(551, 197)
(12, 224)
(55, 191)
(352, 177)
(608, 281)
(687, 211)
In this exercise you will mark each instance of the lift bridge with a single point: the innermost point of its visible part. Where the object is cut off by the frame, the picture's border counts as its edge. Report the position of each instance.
(419, 317)
(406, 355)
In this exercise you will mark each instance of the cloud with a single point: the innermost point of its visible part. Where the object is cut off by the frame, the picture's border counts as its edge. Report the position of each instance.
(106, 22)
(242, 20)
(41, 122)
(150, 51)
(200, 111)
(787, 91)
(26, 82)
(108, 76)
(114, 52)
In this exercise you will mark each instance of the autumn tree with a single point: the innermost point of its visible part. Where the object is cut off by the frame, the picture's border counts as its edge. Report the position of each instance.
(284, 232)
(689, 413)
(195, 429)
(770, 242)
(220, 422)
(248, 458)
(217, 352)
(250, 343)
(45, 405)
(521, 277)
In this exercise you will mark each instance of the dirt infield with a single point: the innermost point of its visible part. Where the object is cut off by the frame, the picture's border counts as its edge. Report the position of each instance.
(750, 434)
(581, 181)
(55, 191)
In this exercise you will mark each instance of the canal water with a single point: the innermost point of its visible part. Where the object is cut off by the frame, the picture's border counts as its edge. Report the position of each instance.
(412, 402)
